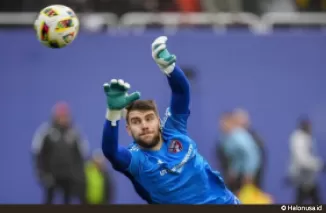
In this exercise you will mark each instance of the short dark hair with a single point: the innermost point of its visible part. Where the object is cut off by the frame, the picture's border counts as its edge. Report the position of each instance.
(304, 122)
(141, 105)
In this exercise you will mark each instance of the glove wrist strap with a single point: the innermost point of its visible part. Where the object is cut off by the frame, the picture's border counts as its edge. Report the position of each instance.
(113, 116)
(168, 70)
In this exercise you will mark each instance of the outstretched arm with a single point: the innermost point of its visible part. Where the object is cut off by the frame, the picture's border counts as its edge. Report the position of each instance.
(117, 100)
(177, 80)
(180, 91)
(119, 157)
(178, 112)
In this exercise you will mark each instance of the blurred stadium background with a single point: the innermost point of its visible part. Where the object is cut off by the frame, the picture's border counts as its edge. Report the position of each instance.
(267, 56)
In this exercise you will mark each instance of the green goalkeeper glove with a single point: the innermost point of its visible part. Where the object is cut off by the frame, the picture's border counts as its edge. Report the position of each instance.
(161, 55)
(118, 98)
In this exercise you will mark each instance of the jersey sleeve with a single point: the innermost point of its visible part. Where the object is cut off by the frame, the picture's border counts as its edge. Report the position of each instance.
(120, 157)
(174, 123)
(137, 160)
(176, 116)
(180, 88)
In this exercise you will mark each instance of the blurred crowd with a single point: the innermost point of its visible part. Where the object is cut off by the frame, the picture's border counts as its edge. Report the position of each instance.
(121, 7)
(242, 156)
(63, 166)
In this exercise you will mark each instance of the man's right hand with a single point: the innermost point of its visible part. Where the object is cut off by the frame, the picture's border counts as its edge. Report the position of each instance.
(161, 55)
(118, 98)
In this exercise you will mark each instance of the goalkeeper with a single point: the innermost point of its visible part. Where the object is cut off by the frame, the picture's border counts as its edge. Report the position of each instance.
(162, 162)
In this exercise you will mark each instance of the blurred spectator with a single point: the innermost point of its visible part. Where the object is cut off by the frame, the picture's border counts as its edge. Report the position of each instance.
(222, 160)
(118, 7)
(188, 5)
(226, 127)
(213, 6)
(305, 164)
(257, 7)
(241, 152)
(278, 6)
(242, 119)
(121, 7)
(58, 153)
(11, 5)
(99, 188)
(311, 5)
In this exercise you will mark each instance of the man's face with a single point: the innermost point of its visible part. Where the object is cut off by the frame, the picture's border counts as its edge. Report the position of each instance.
(63, 119)
(61, 114)
(144, 127)
(226, 124)
(242, 119)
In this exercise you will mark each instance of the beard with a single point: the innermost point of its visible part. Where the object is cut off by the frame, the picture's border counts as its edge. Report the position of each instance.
(148, 144)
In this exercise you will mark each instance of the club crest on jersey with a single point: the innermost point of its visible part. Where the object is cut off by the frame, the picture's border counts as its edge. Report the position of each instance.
(175, 146)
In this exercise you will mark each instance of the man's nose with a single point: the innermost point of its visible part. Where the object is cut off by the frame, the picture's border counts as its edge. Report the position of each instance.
(144, 125)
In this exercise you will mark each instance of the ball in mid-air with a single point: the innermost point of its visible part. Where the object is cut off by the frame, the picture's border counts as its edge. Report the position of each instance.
(56, 26)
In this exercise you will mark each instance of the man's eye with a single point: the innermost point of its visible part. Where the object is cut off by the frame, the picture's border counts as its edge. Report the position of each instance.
(135, 121)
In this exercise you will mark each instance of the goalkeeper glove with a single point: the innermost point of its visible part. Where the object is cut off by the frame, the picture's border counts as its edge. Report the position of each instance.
(162, 57)
(118, 99)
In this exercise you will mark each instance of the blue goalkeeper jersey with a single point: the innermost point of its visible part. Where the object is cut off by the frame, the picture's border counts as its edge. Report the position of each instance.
(177, 173)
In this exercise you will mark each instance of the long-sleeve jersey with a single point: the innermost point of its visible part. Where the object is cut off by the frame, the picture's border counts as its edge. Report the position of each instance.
(177, 173)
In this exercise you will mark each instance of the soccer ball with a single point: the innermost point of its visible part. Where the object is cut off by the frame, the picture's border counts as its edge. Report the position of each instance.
(56, 26)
